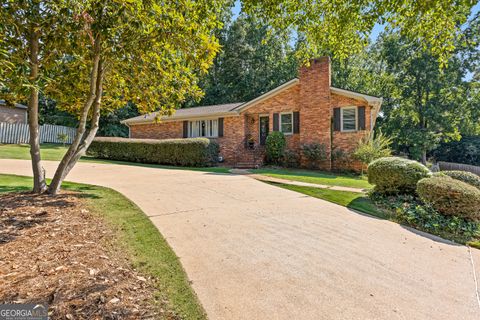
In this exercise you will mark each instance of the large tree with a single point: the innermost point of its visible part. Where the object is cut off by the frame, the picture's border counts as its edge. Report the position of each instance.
(32, 34)
(424, 104)
(249, 63)
(343, 27)
(113, 52)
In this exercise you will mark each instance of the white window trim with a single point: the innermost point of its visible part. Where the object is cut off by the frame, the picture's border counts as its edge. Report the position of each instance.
(280, 124)
(356, 118)
(214, 128)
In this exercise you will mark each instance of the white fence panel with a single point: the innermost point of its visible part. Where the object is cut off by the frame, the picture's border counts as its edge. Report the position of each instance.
(13, 132)
(458, 166)
(49, 133)
(16, 133)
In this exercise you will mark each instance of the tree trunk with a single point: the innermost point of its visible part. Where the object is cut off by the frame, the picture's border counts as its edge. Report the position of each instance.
(39, 184)
(82, 139)
(424, 156)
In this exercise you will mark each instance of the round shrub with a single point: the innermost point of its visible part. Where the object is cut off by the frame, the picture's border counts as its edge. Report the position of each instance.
(450, 196)
(467, 177)
(275, 147)
(396, 175)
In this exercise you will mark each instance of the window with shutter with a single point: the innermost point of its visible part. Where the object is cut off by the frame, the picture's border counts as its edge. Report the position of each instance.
(203, 128)
(348, 119)
(286, 123)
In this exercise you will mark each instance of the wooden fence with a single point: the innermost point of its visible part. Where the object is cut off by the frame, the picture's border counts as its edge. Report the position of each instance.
(458, 166)
(17, 133)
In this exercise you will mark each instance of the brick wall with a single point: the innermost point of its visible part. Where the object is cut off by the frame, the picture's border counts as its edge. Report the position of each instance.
(315, 105)
(162, 130)
(232, 140)
(286, 101)
(13, 115)
(348, 141)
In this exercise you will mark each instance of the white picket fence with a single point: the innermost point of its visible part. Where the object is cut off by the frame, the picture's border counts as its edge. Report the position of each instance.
(16, 133)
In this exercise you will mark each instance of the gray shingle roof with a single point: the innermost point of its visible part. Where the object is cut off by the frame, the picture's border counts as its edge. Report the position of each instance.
(17, 105)
(203, 111)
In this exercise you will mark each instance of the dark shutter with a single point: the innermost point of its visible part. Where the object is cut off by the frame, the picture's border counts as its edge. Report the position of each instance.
(336, 119)
(185, 129)
(275, 122)
(220, 127)
(361, 118)
(296, 122)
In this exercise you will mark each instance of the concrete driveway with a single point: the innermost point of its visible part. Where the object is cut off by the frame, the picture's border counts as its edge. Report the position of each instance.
(254, 251)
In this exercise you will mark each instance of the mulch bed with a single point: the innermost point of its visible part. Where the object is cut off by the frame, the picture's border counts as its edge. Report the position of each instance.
(54, 251)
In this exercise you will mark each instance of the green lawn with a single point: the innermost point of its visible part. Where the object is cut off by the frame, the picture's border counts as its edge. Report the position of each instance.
(55, 152)
(352, 200)
(147, 249)
(317, 177)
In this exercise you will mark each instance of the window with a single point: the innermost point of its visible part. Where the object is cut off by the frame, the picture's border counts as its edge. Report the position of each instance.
(286, 123)
(348, 118)
(203, 128)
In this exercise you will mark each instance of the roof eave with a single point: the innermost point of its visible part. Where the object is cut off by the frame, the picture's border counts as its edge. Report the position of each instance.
(371, 100)
(174, 118)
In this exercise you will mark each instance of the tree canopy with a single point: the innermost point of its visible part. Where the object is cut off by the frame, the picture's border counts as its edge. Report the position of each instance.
(343, 27)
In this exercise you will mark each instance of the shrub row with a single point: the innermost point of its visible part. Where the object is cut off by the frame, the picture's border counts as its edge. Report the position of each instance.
(195, 152)
(451, 193)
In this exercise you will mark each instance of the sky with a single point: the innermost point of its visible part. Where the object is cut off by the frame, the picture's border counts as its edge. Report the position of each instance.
(377, 29)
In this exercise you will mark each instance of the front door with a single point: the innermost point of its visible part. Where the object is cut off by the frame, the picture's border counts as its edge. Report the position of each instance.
(263, 129)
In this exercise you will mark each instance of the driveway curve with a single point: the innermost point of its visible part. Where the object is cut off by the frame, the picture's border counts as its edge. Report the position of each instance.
(255, 251)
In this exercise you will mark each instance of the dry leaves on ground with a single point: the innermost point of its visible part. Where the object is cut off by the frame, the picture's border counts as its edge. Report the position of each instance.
(53, 250)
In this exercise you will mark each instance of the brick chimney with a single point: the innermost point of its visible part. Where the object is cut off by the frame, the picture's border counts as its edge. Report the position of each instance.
(315, 104)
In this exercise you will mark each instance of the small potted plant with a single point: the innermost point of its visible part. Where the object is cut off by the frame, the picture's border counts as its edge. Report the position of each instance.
(250, 142)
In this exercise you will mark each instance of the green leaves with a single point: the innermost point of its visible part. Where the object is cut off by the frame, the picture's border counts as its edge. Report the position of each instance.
(343, 27)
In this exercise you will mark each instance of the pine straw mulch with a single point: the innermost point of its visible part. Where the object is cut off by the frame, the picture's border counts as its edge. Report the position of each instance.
(53, 250)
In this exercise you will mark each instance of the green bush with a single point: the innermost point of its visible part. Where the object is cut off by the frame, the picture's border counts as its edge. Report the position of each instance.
(467, 177)
(409, 210)
(450, 196)
(196, 152)
(314, 152)
(370, 149)
(275, 147)
(396, 175)
(291, 159)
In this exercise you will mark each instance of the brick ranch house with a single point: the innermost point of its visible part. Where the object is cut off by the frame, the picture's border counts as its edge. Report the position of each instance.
(306, 109)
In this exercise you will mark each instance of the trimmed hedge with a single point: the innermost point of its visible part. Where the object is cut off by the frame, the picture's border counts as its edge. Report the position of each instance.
(450, 196)
(396, 175)
(467, 177)
(194, 152)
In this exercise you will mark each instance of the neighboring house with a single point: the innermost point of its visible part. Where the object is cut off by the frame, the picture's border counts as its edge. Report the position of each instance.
(14, 114)
(306, 109)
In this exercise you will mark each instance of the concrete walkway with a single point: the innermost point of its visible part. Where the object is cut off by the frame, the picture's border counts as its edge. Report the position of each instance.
(255, 251)
(265, 178)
